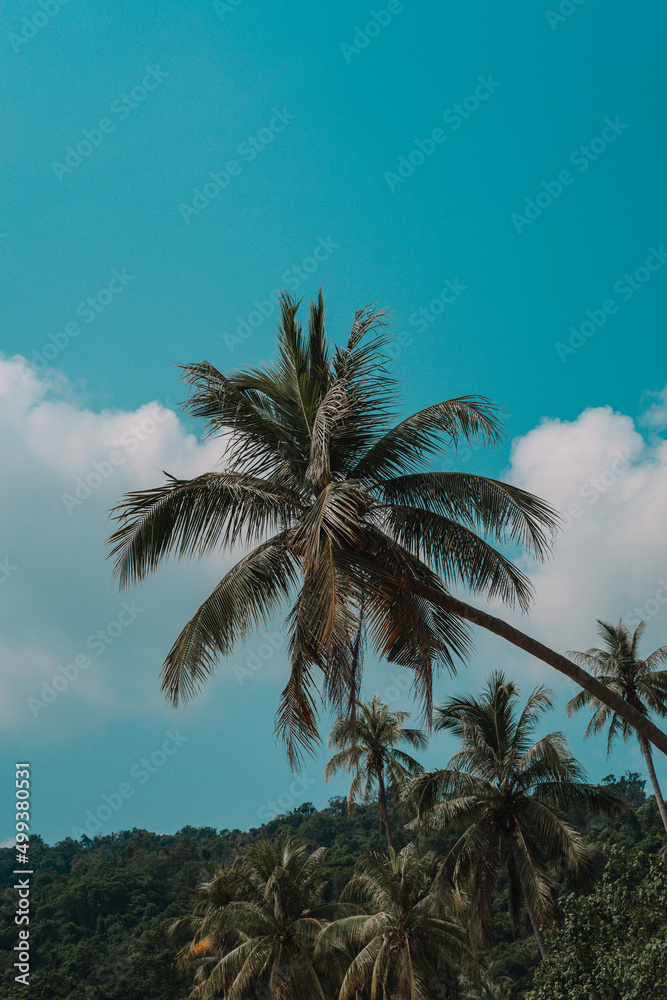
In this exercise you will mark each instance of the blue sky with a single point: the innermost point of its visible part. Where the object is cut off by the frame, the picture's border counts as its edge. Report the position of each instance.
(519, 256)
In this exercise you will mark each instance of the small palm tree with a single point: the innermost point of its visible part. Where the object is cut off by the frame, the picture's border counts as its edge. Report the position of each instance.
(367, 744)
(407, 932)
(209, 940)
(509, 791)
(636, 681)
(269, 924)
(483, 985)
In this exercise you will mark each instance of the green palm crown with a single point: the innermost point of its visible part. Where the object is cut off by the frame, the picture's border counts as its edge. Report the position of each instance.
(342, 515)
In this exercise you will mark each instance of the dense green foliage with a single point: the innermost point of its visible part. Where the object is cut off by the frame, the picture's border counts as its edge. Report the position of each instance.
(613, 943)
(101, 909)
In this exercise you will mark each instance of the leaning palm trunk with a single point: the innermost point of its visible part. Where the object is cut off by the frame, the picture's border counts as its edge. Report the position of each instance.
(648, 757)
(644, 727)
(539, 937)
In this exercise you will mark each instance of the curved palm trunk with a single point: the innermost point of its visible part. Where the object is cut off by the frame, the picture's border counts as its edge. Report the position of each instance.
(648, 757)
(643, 726)
(382, 809)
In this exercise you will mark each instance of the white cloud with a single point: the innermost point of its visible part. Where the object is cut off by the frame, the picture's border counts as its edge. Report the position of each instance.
(610, 559)
(65, 467)
(655, 416)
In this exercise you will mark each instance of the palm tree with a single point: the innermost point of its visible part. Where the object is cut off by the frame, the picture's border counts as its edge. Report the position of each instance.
(407, 932)
(509, 792)
(636, 681)
(344, 518)
(208, 941)
(367, 744)
(270, 925)
(483, 985)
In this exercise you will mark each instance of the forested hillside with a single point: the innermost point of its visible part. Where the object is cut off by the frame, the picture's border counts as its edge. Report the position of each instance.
(101, 909)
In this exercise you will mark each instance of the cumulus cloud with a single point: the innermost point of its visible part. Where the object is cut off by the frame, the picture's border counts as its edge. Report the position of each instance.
(610, 561)
(655, 415)
(65, 467)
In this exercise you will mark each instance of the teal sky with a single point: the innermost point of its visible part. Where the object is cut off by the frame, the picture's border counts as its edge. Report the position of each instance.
(484, 253)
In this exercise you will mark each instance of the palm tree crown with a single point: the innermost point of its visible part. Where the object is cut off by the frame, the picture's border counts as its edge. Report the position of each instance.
(638, 682)
(367, 745)
(407, 936)
(508, 791)
(260, 929)
(346, 520)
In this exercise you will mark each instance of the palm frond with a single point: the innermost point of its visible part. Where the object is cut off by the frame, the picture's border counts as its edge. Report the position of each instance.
(247, 596)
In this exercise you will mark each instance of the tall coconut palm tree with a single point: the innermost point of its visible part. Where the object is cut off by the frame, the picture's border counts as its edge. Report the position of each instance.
(510, 793)
(368, 745)
(269, 925)
(408, 931)
(636, 681)
(341, 513)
